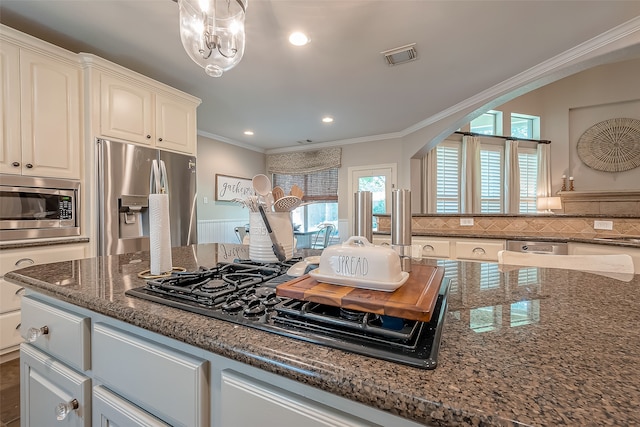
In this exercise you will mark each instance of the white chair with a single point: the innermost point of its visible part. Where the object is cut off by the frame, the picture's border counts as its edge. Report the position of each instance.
(323, 236)
(619, 266)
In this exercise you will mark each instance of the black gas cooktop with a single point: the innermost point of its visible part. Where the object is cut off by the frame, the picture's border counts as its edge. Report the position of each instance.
(244, 293)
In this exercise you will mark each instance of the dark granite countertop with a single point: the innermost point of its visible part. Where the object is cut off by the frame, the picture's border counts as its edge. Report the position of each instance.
(527, 346)
(505, 236)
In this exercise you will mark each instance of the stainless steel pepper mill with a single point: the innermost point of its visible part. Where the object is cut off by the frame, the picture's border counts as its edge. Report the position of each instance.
(363, 215)
(401, 226)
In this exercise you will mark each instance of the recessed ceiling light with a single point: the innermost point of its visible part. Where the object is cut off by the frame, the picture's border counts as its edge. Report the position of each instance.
(298, 39)
(248, 132)
(327, 119)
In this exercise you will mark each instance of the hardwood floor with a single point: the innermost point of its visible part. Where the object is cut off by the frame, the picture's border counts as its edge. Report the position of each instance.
(10, 393)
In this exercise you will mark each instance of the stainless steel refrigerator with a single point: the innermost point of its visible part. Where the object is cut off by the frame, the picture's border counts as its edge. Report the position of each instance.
(123, 196)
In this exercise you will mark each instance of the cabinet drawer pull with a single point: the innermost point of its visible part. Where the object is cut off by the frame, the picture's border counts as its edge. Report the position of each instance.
(15, 164)
(21, 261)
(20, 291)
(18, 326)
(479, 251)
(428, 248)
(35, 333)
(64, 408)
(29, 165)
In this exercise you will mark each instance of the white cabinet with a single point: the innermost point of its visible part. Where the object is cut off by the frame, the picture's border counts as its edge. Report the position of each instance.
(131, 107)
(478, 249)
(125, 110)
(61, 333)
(430, 247)
(274, 407)
(11, 259)
(110, 410)
(41, 108)
(168, 383)
(175, 124)
(57, 395)
(141, 378)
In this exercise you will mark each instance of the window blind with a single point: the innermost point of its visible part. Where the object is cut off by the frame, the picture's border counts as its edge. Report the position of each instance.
(317, 186)
(448, 179)
(491, 180)
(528, 181)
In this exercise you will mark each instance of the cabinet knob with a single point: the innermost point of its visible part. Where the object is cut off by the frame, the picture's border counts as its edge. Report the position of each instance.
(29, 165)
(15, 164)
(160, 139)
(148, 136)
(64, 408)
(34, 333)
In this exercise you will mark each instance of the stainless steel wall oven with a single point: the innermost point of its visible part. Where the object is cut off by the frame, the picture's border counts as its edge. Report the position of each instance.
(34, 207)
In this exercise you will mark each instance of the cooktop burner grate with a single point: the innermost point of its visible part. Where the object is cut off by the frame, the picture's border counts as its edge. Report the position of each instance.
(244, 293)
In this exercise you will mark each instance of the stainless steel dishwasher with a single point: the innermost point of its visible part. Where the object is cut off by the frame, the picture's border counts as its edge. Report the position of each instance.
(532, 247)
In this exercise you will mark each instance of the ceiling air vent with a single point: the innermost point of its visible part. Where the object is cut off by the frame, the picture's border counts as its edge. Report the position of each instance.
(401, 54)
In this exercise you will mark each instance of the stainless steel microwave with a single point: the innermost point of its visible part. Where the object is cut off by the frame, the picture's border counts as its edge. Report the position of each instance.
(33, 207)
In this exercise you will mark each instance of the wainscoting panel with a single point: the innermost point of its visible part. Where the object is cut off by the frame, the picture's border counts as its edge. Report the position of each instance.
(219, 230)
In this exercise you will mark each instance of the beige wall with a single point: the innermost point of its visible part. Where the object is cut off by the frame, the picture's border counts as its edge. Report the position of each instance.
(215, 157)
(364, 154)
(570, 106)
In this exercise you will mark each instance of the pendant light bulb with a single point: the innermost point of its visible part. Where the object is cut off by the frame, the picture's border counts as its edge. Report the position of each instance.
(212, 33)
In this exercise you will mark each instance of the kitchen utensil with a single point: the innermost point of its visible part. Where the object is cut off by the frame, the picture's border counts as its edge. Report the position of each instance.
(278, 193)
(286, 203)
(262, 184)
(278, 250)
(296, 191)
(415, 300)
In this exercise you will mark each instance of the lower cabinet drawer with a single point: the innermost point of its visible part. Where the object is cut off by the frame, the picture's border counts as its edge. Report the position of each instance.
(9, 330)
(56, 394)
(478, 251)
(169, 384)
(109, 409)
(10, 296)
(63, 334)
(424, 248)
(249, 402)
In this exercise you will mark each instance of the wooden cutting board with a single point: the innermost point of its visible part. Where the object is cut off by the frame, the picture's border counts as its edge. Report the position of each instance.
(415, 300)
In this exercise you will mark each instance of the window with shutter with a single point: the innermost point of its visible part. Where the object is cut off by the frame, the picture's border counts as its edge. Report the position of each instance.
(448, 178)
(491, 165)
(528, 162)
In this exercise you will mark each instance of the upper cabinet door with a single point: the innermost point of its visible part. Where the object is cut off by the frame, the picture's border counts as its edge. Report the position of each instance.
(175, 124)
(10, 151)
(126, 111)
(50, 116)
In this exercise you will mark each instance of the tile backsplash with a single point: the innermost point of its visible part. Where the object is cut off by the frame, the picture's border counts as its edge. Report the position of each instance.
(510, 226)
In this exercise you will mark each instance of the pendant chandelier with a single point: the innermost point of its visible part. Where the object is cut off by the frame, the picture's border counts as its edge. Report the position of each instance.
(212, 33)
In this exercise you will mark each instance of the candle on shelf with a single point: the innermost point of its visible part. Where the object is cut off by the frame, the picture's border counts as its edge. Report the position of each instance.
(564, 183)
(570, 178)
(564, 176)
(571, 183)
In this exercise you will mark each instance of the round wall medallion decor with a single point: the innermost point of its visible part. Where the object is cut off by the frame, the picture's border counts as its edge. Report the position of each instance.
(611, 146)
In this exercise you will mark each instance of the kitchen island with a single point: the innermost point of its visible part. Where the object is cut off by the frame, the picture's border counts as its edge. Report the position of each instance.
(526, 346)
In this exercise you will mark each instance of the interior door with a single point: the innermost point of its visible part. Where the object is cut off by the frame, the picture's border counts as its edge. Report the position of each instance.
(380, 180)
